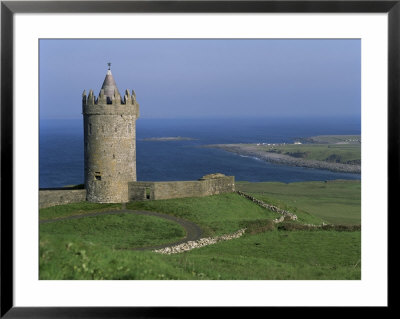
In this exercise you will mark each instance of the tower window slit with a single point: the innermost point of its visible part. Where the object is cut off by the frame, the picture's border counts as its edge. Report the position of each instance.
(97, 176)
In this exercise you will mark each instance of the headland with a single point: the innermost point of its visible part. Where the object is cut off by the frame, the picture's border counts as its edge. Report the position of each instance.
(339, 156)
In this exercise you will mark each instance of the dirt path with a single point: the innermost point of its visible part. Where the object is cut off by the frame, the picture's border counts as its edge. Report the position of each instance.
(193, 231)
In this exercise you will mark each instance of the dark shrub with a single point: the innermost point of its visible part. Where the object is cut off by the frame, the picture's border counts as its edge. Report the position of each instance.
(291, 226)
(258, 226)
(297, 154)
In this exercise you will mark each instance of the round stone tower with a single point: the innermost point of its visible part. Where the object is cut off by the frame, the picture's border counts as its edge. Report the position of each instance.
(109, 142)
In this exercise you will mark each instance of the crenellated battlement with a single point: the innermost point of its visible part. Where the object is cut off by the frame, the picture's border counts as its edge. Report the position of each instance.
(115, 99)
(106, 105)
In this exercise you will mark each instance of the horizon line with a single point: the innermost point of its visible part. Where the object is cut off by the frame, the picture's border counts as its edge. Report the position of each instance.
(224, 117)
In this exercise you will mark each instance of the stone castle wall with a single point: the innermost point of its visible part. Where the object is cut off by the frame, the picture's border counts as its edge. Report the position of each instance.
(179, 189)
(52, 197)
(145, 191)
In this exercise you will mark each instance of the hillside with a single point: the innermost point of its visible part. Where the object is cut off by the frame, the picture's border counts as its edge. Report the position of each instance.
(102, 247)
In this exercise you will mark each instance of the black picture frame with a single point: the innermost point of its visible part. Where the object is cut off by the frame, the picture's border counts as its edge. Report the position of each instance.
(9, 8)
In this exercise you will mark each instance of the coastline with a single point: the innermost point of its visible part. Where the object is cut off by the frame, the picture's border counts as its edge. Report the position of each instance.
(251, 150)
(169, 138)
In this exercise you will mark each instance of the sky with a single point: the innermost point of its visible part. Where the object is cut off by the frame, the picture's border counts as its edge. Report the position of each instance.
(205, 78)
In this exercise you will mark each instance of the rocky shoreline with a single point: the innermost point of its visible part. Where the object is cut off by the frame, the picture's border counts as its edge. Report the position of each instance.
(169, 138)
(253, 151)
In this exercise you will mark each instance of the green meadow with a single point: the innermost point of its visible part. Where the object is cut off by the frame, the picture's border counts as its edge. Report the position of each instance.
(336, 153)
(100, 247)
(120, 231)
(337, 202)
(333, 139)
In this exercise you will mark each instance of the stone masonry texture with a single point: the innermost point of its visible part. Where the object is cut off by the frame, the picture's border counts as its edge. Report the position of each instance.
(179, 189)
(147, 191)
(49, 198)
(109, 145)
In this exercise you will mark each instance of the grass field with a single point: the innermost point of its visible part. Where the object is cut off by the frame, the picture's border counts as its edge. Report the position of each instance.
(95, 247)
(216, 215)
(266, 256)
(121, 231)
(74, 209)
(337, 202)
(333, 139)
(336, 153)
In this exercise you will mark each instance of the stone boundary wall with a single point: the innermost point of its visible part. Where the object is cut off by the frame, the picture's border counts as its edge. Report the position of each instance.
(290, 216)
(147, 191)
(180, 189)
(286, 215)
(140, 190)
(166, 190)
(199, 243)
(54, 197)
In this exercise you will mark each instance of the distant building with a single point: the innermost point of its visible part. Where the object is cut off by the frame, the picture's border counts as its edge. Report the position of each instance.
(297, 142)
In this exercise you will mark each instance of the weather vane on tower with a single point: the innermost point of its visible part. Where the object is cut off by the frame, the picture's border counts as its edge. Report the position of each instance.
(109, 65)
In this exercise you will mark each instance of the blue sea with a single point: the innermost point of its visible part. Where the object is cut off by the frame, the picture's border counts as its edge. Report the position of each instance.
(61, 149)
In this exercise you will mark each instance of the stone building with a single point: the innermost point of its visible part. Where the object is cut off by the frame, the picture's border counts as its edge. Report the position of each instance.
(110, 156)
(109, 142)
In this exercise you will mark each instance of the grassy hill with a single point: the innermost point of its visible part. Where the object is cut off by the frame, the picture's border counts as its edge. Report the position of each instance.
(337, 202)
(88, 248)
